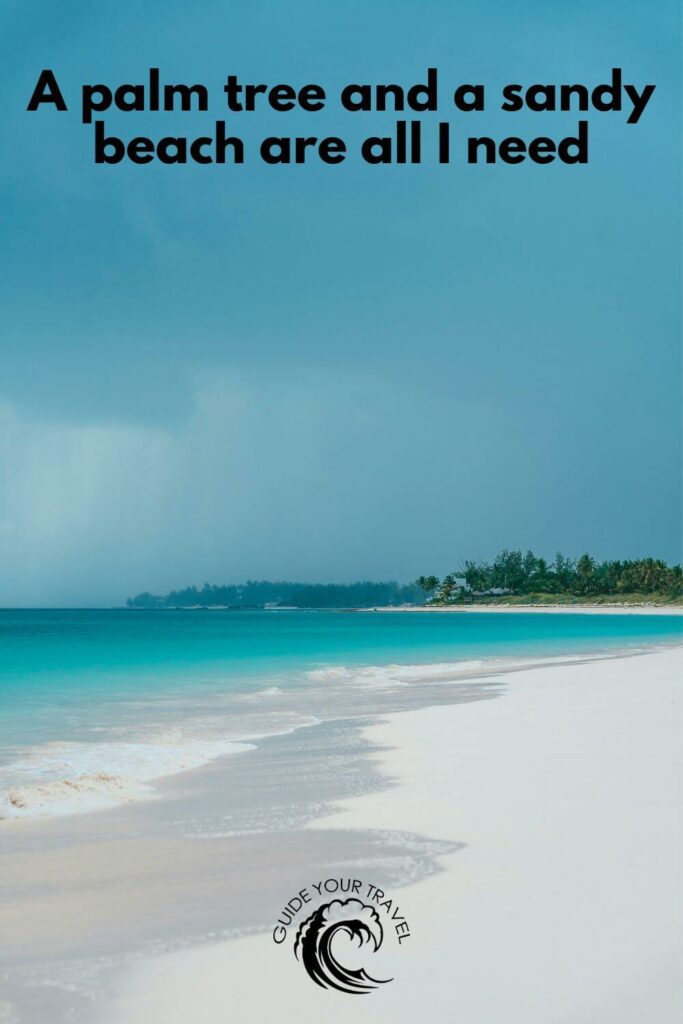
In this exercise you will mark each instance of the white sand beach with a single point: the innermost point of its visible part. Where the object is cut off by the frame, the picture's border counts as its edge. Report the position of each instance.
(543, 609)
(562, 904)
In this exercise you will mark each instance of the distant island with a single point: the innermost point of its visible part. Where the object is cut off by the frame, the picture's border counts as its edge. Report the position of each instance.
(512, 578)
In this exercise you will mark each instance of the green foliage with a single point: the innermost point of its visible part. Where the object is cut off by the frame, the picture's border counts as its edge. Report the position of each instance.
(427, 585)
(513, 573)
(511, 576)
(257, 593)
(448, 589)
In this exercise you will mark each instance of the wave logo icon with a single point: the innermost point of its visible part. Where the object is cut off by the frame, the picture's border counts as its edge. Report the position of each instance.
(314, 942)
(336, 925)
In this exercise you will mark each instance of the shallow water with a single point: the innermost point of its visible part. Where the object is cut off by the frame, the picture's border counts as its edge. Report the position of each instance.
(95, 705)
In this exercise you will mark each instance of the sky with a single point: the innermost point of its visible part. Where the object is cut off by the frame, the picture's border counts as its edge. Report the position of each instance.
(213, 373)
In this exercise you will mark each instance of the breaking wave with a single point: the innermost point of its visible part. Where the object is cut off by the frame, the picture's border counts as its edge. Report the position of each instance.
(431, 672)
(69, 777)
(382, 675)
(72, 778)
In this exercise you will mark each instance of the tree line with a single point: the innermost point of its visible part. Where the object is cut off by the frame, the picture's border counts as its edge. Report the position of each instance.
(513, 573)
(258, 593)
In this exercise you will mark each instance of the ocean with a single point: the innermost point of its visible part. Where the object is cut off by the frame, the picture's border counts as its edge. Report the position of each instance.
(96, 705)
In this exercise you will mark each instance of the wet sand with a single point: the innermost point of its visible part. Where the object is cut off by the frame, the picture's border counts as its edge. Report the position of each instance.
(82, 896)
(561, 905)
(526, 819)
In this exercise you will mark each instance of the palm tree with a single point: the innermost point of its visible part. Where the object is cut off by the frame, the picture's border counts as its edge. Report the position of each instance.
(427, 585)
(448, 587)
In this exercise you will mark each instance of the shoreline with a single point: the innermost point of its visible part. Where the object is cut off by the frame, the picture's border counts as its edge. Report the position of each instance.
(568, 842)
(403, 687)
(182, 881)
(552, 609)
(642, 608)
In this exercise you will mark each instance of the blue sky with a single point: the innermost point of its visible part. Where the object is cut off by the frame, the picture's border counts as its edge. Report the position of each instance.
(318, 372)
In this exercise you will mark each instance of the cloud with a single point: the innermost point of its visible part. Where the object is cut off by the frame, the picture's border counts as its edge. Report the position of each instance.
(298, 473)
(73, 496)
(272, 474)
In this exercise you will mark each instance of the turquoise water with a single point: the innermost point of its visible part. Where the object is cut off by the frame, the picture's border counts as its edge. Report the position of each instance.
(100, 682)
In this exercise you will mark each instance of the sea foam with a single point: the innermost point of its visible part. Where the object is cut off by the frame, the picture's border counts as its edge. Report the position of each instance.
(433, 672)
(382, 675)
(72, 778)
